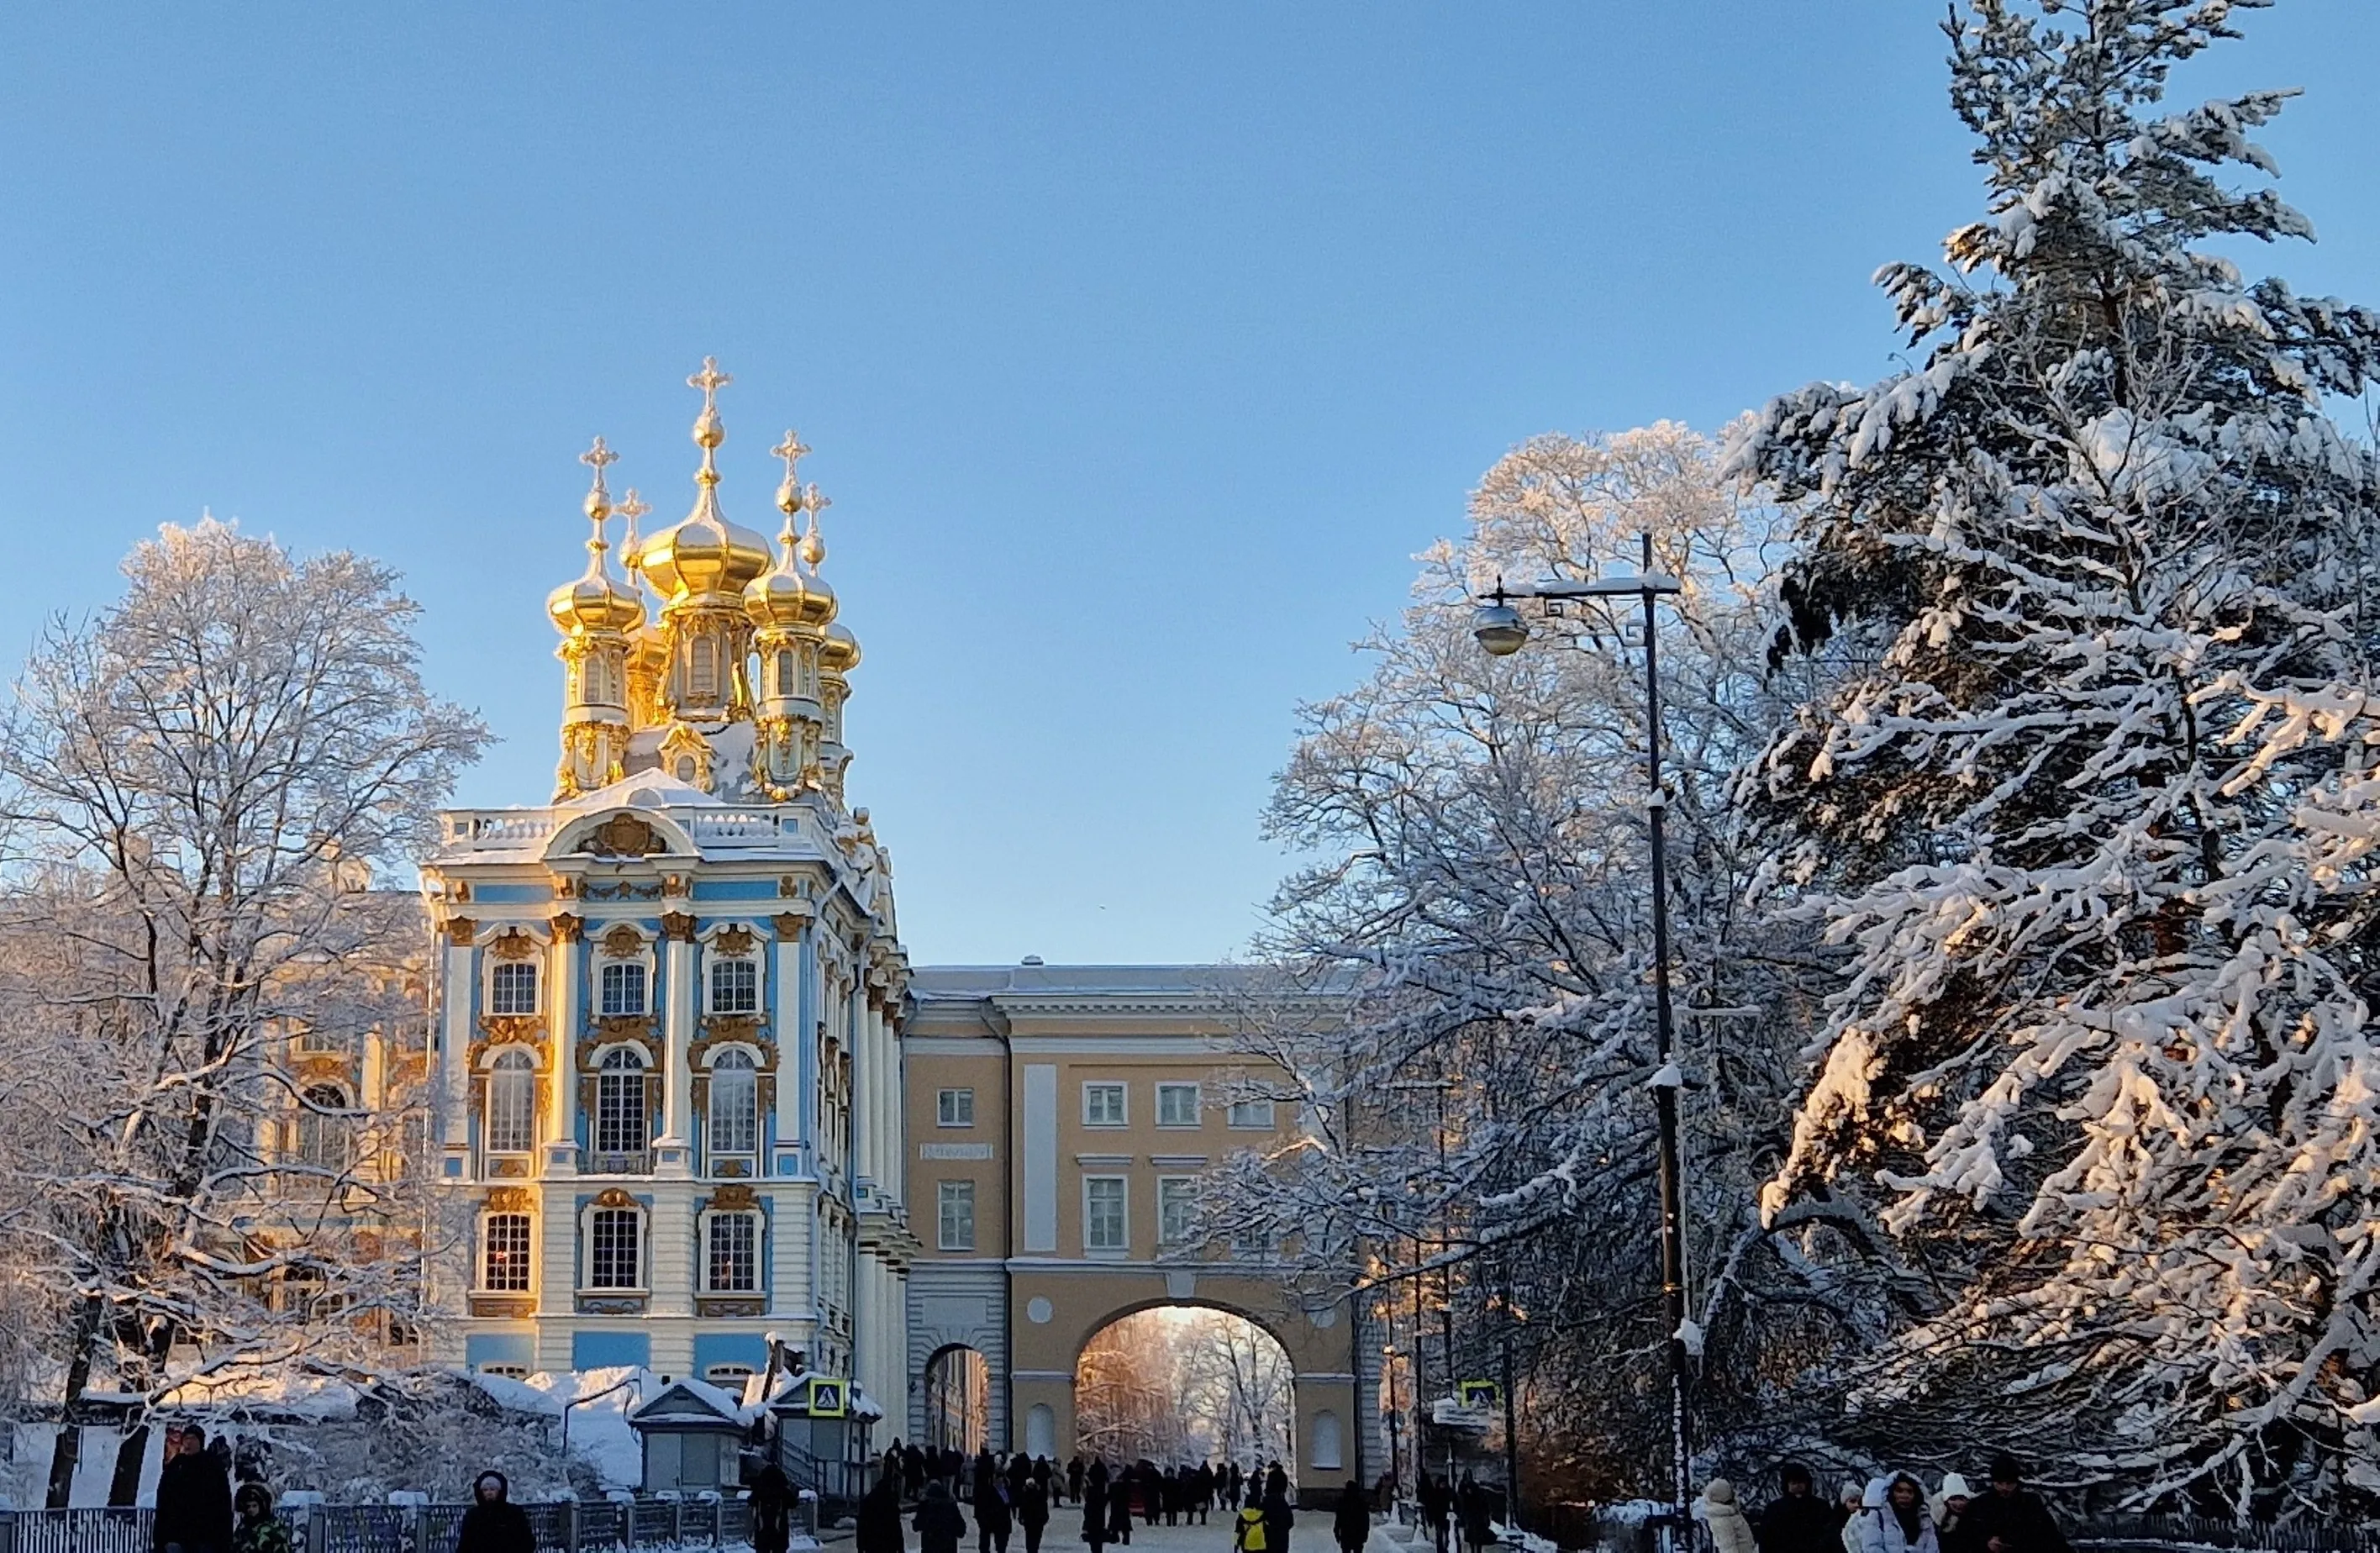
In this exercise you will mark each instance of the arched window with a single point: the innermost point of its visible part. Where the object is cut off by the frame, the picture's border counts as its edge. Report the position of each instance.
(623, 988)
(620, 1103)
(512, 1103)
(702, 672)
(785, 671)
(322, 1139)
(734, 1104)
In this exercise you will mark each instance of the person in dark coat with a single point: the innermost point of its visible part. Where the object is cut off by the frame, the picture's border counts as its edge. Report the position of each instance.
(1278, 1517)
(1471, 1507)
(258, 1530)
(1074, 1479)
(940, 1525)
(876, 1528)
(993, 1520)
(1797, 1521)
(1202, 1493)
(193, 1496)
(2011, 1519)
(1120, 1506)
(1033, 1506)
(1436, 1504)
(913, 1471)
(493, 1523)
(1093, 1497)
(1352, 1526)
(773, 1499)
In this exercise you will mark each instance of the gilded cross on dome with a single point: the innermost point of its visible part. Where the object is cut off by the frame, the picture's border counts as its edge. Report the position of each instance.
(792, 450)
(813, 547)
(711, 380)
(599, 499)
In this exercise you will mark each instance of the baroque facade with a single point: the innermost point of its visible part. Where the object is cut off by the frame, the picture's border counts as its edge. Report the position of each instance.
(666, 1014)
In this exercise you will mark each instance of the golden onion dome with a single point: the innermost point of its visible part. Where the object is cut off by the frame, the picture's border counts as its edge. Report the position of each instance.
(839, 654)
(705, 553)
(595, 602)
(785, 595)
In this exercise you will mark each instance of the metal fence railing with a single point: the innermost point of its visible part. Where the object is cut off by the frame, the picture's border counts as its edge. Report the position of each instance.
(2121, 1532)
(567, 1527)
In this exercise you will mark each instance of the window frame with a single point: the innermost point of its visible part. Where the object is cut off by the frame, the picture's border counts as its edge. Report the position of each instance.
(317, 1146)
(948, 1193)
(1166, 1237)
(746, 1068)
(644, 977)
(713, 1221)
(500, 996)
(1270, 1122)
(714, 965)
(510, 1067)
(1196, 1097)
(1123, 1243)
(641, 1070)
(598, 1216)
(526, 1251)
(945, 1109)
(1122, 1091)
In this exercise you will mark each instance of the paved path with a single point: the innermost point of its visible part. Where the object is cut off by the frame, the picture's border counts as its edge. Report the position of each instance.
(1065, 1534)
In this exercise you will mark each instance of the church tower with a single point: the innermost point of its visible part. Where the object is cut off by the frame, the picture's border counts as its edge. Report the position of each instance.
(595, 616)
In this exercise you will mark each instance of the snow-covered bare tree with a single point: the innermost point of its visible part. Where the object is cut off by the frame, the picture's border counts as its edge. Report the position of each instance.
(199, 790)
(2087, 797)
(1480, 1126)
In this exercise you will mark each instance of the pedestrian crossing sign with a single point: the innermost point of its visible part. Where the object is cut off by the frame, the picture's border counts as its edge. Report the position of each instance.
(1479, 1393)
(828, 1399)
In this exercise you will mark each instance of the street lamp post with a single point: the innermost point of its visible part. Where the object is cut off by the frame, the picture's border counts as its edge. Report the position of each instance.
(1501, 631)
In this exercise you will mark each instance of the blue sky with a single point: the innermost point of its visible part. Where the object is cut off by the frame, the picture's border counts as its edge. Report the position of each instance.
(1141, 346)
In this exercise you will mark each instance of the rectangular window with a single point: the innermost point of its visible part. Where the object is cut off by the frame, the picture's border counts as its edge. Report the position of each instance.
(512, 988)
(619, 1110)
(611, 1250)
(735, 987)
(1177, 1105)
(1251, 1113)
(954, 1108)
(1177, 1209)
(1104, 1224)
(624, 988)
(504, 1264)
(1103, 1105)
(735, 1258)
(955, 1201)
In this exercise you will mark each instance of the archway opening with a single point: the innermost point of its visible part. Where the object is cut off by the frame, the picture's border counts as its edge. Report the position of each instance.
(958, 1401)
(1183, 1384)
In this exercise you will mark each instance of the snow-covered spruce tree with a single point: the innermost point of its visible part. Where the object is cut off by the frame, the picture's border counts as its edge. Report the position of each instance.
(198, 790)
(2087, 802)
(1480, 884)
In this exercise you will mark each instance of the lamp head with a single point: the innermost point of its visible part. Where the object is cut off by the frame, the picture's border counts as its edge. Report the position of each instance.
(1498, 628)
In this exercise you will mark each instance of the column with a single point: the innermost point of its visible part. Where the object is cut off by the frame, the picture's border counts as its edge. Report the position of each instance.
(455, 1037)
(674, 1149)
(785, 1023)
(562, 1049)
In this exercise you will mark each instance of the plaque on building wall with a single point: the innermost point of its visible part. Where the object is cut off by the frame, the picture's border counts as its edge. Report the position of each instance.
(955, 1151)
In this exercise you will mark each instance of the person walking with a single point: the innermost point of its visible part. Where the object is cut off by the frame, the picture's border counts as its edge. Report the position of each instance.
(1950, 1506)
(938, 1522)
(1350, 1526)
(1075, 1478)
(1119, 1505)
(1249, 1529)
(493, 1523)
(1856, 1503)
(771, 1494)
(1278, 1515)
(193, 1496)
(1797, 1521)
(1046, 1476)
(1202, 1493)
(1436, 1505)
(256, 1528)
(876, 1527)
(2011, 1518)
(1472, 1511)
(1898, 1522)
(1093, 1497)
(993, 1519)
(1730, 1531)
(1033, 1508)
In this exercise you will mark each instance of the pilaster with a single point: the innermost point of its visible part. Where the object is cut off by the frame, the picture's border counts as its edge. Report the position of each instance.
(673, 1152)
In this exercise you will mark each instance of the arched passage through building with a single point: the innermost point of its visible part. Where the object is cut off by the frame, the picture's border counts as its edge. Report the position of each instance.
(1181, 1384)
(958, 1399)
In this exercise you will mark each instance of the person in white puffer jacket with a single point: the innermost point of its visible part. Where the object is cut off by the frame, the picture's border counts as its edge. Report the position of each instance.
(1730, 1529)
(1894, 1521)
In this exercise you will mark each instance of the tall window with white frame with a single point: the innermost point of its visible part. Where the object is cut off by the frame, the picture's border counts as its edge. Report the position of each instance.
(1177, 1209)
(735, 1245)
(1250, 1115)
(621, 990)
(734, 1104)
(512, 1103)
(1177, 1105)
(512, 988)
(734, 985)
(954, 1202)
(322, 1129)
(620, 1121)
(615, 1248)
(1105, 1222)
(504, 1253)
(1103, 1104)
